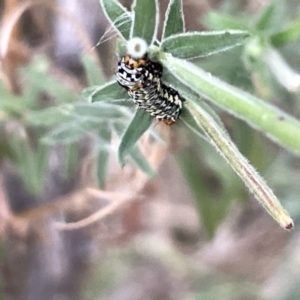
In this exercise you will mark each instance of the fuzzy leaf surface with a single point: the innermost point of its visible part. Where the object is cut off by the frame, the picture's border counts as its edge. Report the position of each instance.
(139, 124)
(118, 16)
(174, 19)
(145, 20)
(197, 44)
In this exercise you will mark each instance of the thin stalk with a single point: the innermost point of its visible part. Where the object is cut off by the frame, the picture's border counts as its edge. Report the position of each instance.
(223, 144)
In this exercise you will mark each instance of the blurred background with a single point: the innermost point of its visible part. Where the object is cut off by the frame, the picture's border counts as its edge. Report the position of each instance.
(75, 225)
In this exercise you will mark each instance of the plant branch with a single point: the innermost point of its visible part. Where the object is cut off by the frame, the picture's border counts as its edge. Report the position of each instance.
(221, 141)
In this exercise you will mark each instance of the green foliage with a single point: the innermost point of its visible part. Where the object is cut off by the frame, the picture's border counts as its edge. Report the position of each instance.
(134, 152)
(24, 122)
(275, 123)
(139, 124)
(109, 91)
(119, 17)
(94, 75)
(194, 82)
(272, 29)
(174, 20)
(102, 156)
(290, 33)
(145, 20)
(105, 109)
(198, 44)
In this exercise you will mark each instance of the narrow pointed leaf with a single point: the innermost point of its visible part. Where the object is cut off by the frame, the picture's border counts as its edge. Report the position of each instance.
(266, 18)
(102, 157)
(286, 35)
(26, 163)
(136, 155)
(10, 103)
(109, 91)
(276, 124)
(145, 20)
(50, 116)
(174, 19)
(39, 79)
(139, 124)
(118, 16)
(71, 131)
(241, 166)
(196, 44)
(99, 111)
(121, 49)
(101, 168)
(92, 70)
(141, 162)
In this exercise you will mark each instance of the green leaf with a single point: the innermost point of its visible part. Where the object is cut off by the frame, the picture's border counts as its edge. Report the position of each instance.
(71, 131)
(174, 19)
(188, 119)
(100, 111)
(118, 16)
(9, 103)
(121, 49)
(196, 44)
(87, 118)
(38, 78)
(265, 20)
(101, 168)
(109, 91)
(139, 124)
(92, 70)
(276, 124)
(289, 34)
(102, 156)
(141, 162)
(66, 113)
(136, 155)
(219, 21)
(49, 116)
(227, 149)
(27, 161)
(145, 20)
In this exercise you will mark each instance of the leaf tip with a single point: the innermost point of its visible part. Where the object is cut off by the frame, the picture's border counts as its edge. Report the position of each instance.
(289, 225)
(121, 159)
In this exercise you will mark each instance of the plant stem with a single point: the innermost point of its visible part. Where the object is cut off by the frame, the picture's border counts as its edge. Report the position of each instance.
(276, 124)
(221, 141)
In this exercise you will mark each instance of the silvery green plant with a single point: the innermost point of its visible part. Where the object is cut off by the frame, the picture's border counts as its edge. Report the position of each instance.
(174, 51)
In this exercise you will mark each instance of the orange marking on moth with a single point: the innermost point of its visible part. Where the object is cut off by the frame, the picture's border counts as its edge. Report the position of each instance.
(134, 63)
(168, 121)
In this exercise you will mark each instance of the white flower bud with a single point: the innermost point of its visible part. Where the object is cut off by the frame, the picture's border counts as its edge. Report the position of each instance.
(137, 47)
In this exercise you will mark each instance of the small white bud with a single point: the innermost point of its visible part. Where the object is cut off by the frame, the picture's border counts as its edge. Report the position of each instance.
(137, 47)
